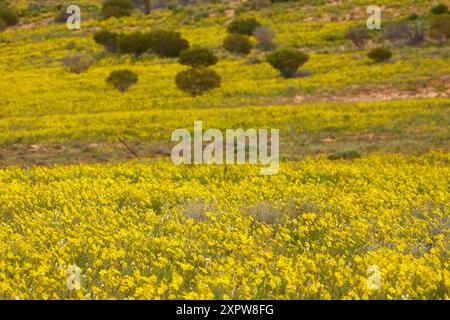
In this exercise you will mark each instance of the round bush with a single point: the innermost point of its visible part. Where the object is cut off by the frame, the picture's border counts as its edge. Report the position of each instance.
(196, 57)
(287, 61)
(122, 79)
(8, 15)
(166, 43)
(439, 9)
(440, 28)
(243, 26)
(134, 43)
(116, 8)
(196, 81)
(237, 43)
(380, 54)
(107, 39)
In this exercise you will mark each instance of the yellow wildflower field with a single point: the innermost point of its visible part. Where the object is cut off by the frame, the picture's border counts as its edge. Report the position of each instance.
(92, 207)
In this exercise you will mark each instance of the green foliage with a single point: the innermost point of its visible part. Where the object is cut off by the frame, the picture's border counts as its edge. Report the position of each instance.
(198, 80)
(116, 8)
(8, 15)
(265, 37)
(122, 79)
(287, 61)
(439, 9)
(134, 43)
(243, 26)
(162, 42)
(3, 25)
(345, 155)
(412, 16)
(107, 39)
(198, 57)
(237, 43)
(166, 43)
(380, 54)
(77, 62)
(440, 28)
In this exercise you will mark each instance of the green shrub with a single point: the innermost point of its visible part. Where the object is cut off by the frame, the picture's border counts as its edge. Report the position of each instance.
(61, 16)
(287, 61)
(439, 9)
(237, 43)
(380, 54)
(107, 39)
(345, 155)
(440, 28)
(8, 15)
(166, 43)
(359, 36)
(260, 4)
(265, 37)
(243, 26)
(77, 62)
(134, 43)
(122, 79)
(116, 8)
(198, 80)
(196, 57)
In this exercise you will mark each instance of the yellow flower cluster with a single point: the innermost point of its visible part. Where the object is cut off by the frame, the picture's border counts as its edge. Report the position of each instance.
(157, 231)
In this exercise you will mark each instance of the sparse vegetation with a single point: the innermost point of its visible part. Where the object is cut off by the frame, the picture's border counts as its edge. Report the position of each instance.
(243, 26)
(107, 39)
(287, 61)
(359, 36)
(122, 79)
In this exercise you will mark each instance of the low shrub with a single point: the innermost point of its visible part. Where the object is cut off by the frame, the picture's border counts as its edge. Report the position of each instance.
(116, 8)
(122, 79)
(135, 43)
(345, 155)
(166, 43)
(265, 37)
(440, 28)
(237, 43)
(77, 62)
(198, 57)
(359, 36)
(439, 9)
(107, 39)
(197, 80)
(8, 15)
(380, 54)
(287, 61)
(243, 26)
